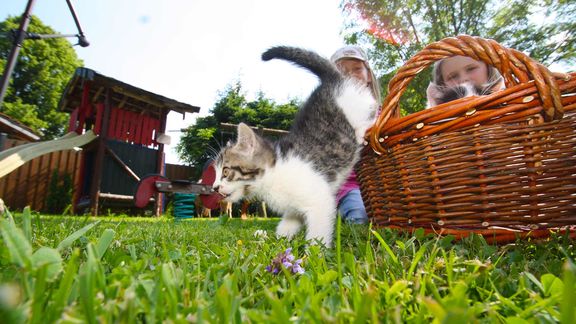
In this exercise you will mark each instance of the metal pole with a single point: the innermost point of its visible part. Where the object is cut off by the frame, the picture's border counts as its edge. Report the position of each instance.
(11, 62)
(81, 38)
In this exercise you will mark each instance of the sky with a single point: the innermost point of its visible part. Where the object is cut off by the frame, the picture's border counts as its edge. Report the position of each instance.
(190, 50)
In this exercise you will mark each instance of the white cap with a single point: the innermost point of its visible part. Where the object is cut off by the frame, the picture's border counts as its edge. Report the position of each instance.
(350, 51)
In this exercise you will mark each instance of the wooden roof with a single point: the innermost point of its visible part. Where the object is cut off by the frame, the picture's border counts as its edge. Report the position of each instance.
(16, 129)
(123, 95)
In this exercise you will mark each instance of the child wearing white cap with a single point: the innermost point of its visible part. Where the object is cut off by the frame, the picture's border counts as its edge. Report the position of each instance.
(353, 61)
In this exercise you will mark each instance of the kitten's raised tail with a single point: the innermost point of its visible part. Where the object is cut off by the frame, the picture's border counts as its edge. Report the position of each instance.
(309, 60)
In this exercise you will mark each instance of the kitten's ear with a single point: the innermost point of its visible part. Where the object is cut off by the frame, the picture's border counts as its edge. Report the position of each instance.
(246, 139)
(433, 93)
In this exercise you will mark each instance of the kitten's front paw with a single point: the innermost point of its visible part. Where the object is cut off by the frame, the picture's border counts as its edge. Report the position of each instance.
(288, 228)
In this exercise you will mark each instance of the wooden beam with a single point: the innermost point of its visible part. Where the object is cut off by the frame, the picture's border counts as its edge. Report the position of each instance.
(147, 99)
(123, 102)
(126, 168)
(160, 161)
(164, 105)
(99, 159)
(118, 197)
(97, 94)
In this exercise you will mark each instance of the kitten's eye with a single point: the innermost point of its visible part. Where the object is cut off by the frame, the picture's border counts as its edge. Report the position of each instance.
(225, 172)
(471, 68)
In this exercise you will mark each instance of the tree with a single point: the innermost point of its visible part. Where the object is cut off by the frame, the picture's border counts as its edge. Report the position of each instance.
(40, 76)
(396, 30)
(203, 140)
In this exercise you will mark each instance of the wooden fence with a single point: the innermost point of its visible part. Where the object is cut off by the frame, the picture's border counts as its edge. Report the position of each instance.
(29, 184)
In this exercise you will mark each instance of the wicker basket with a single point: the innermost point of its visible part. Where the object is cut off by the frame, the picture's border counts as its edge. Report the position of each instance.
(501, 165)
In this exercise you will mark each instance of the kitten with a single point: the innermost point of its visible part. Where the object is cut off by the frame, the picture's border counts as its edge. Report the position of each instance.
(444, 94)
(457, 92)
(299, 175)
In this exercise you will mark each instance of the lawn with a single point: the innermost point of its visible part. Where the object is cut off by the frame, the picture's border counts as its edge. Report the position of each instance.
(126, 270)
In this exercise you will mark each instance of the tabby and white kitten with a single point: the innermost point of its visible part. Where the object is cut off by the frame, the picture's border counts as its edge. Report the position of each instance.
(457, 92)
(299, 175)
(438, 95)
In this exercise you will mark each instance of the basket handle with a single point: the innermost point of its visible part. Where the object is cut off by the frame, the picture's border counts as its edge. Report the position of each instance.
(515, 67)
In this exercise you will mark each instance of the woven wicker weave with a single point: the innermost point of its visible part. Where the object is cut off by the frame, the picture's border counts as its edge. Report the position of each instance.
(498, 165)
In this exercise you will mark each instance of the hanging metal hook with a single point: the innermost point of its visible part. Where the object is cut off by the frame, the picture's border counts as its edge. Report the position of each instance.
(21, 34)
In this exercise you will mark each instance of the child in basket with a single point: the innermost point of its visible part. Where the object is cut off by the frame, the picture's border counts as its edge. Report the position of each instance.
(460, 76)
(353, 61)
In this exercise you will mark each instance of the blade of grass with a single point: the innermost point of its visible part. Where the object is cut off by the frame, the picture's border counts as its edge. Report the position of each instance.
(8, 215)
(74, 236)
(435, 309)
(278, 309)
(104, 242)
(132, 250)
(386, 247)
(429, 268)
(169, 283)
(17, 244)
(449, 264)
(50, 259)
(87, 285)
(62, 295)
(431, 286)
(339, 257)
(369, 252)
(534, 281)
(508, 302)
(530, 311)
(27, 223)
(568, 305)
(415, 261)
(39, 296)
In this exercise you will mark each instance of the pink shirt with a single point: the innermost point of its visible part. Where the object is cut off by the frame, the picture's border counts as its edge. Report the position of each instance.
(350, 184)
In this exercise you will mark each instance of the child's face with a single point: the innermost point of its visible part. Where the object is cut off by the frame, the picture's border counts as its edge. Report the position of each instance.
(460, 69)
(354, 68)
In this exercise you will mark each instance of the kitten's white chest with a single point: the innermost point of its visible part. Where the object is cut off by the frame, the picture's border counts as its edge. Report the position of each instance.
(358, 105)
(291, 184)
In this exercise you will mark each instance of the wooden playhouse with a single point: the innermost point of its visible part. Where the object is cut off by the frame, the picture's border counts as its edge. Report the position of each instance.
(128, 121)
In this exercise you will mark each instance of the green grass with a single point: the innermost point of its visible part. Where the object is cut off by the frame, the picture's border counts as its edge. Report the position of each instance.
(126, 270)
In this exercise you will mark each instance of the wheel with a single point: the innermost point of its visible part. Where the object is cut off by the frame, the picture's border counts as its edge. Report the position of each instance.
(146, 188)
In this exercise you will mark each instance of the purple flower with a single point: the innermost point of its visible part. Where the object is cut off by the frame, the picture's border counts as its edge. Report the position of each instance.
(285, 260)
(297, 268)
(272, 270)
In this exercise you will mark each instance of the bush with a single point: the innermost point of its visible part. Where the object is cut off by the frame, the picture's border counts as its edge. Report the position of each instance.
(59, 192)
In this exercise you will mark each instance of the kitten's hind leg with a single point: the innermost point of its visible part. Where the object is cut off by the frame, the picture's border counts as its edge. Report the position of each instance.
(320, 221)
(289, 226)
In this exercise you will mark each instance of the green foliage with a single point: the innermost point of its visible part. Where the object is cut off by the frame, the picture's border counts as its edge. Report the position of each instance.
(394, 31)
(157, 270)
(59, 192)
(202, 140)
(25, 113)
(36, 270)
(42, 71)
(545, 30)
